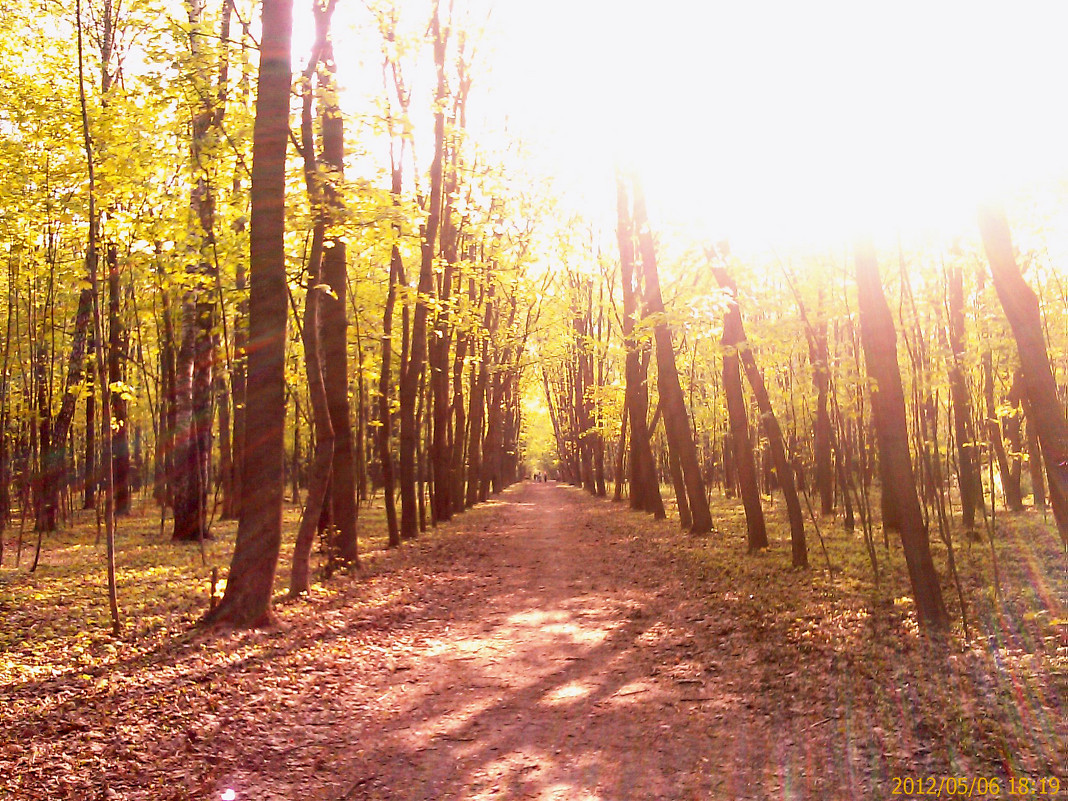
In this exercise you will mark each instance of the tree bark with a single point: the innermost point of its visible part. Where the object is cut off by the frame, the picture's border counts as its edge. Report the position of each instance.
(676, 416)
(120, 440)
(1021, 308)
(247, 600)
(410, 377)
(335, 352)
(743, 459)
(644, 483)
(769, 421)
(891, 429)
(969, 478)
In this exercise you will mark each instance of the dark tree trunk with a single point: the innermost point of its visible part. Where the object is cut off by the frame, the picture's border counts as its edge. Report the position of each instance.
(89, 478)
(196, 354)
(676, 416)
(478, 404)
(410, 377)
(48, 484)
(891, 429)
(385, 418)
(322, 460)
(743, 459)
(1021, 308)
(120, 440)
(644, 483)
(824, 431)
(1034, 459)
(5, 419)
(969, 478)
(335, 353)
(783, 470)
(237, 385)
(247, 601)
(168, 403)
(1013, 499)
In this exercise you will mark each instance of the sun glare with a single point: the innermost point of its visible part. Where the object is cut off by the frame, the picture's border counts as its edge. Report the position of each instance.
(769, 122)
(781, 121)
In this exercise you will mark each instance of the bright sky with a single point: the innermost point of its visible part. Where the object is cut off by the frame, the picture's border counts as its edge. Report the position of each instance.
(780, 121)
(784, 121)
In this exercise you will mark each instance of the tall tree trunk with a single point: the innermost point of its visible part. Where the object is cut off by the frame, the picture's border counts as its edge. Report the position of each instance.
(644, 483)
(891, 429)
(1021, 308)
(98, 334)
(410, 377)
(480, 380)
(89, 478)
(969, 478)
(676, 416)
(247, 600)
(743, 458)
(335, 351)
(769, 422)
(1013, 500)
(385, 418)
(323, 433)
(322, 459)
(1034, 458)
(238, 388)
(5, 419)
(196, 354)
(823, 435)
(120, 440)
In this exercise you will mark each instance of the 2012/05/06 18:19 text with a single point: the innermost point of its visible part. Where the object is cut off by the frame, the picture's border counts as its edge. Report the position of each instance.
(945, 786)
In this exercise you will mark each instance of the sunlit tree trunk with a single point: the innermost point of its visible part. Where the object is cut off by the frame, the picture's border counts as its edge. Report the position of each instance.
(120, 440)
(971, 485)
(891, 430)
(1021, 308)
(413, 372)
(334, 325)
(644, 483)
(676, 415)
(743, 459)
(769, 421)
(247, 600)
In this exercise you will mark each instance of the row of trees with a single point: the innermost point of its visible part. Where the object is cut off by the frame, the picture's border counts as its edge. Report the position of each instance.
(845, 401)
(266, 311)
(231, 237)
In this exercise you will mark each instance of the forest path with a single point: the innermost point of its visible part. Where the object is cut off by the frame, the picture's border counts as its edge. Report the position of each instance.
(545, 655)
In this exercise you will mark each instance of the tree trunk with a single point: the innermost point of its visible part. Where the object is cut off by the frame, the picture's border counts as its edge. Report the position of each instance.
(770, 423)
(385, 452)
(1013, 500)
(644, 483)
(247, 600)
(743, 459)
(676, 416)
(969, 478)
(891, 429)
(1021, 308)
(409, 385)
(120, 441)
(335, 351)
(89, 479)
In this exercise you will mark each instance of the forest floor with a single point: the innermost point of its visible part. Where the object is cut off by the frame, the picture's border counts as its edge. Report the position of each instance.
(545, 645)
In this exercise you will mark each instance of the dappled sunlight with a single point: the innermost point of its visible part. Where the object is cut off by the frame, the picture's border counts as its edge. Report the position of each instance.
(569, 693)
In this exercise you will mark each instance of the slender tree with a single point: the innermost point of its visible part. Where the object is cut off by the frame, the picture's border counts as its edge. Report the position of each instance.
(891, 431)
(1021, 308)
(644, 484)
(247, 600)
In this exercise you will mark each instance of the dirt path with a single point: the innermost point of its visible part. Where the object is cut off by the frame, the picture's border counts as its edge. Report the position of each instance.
(541, 659)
